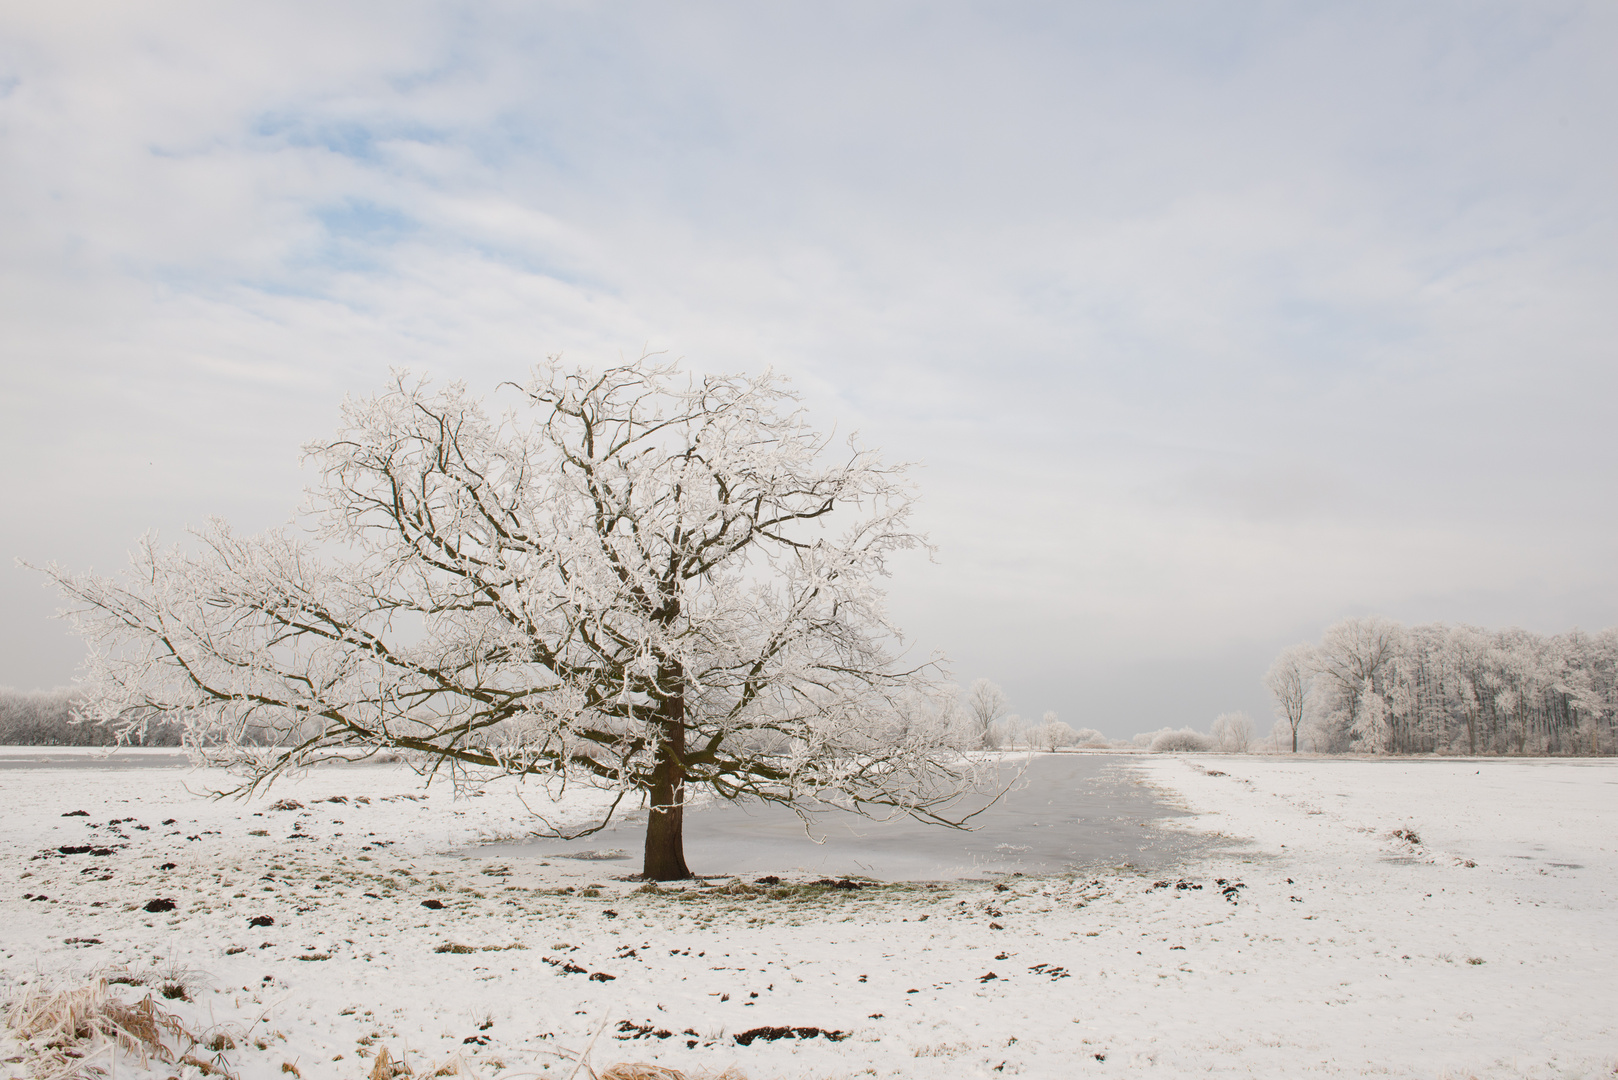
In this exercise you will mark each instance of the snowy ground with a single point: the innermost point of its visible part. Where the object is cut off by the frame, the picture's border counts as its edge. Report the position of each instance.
(1487, 948)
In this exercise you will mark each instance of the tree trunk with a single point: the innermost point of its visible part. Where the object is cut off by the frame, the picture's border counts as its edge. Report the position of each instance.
(665, 825)
(665, 835)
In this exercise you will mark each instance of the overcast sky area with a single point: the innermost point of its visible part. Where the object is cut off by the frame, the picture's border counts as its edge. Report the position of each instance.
(1210, 324)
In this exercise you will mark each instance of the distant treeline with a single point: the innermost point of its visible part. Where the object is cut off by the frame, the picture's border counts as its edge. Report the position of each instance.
(1374, 686)
(45, 718)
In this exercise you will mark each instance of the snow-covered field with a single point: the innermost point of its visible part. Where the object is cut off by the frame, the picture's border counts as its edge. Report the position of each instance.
(1486, 947)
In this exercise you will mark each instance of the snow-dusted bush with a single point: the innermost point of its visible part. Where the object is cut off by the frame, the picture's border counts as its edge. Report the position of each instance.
(1182, 741)
(1014, 733)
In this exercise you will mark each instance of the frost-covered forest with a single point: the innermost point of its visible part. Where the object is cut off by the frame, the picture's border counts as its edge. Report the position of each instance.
(1374, 686)
(45, 718)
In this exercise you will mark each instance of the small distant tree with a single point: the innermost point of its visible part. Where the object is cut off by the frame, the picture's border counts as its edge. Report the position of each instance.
(1053, 734)
(1288, 681)
(1232, 732)
(632, 582)
(1008, 731)
(986, 703)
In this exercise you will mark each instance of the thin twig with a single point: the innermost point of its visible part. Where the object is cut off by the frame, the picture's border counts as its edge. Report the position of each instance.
(591, 1045)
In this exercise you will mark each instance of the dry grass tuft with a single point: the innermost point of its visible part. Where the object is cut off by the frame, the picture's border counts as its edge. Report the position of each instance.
(64, 1031)
(386, 1068)
(641, 1071)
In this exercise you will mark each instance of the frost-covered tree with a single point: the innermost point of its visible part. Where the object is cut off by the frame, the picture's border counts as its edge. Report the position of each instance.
(1089, 737)
(986, 703)
(1053, 734)
(1288, 681)
(632, 579)
(1007, 732)
(1353, 661)
(1232, 732)
(52, 718)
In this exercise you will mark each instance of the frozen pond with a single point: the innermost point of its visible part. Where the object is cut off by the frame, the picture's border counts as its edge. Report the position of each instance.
(1065, 811)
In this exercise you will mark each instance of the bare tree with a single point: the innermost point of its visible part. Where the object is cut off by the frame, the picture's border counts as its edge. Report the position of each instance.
(632, 582)
(1288, 680)
(986, 703)
(1232, 732)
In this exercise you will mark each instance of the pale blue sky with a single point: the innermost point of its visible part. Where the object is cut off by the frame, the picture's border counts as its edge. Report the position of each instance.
(1211, 323)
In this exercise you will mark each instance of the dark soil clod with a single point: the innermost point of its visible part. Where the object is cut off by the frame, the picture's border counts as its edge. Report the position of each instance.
(155, 906)
(770, 1034)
